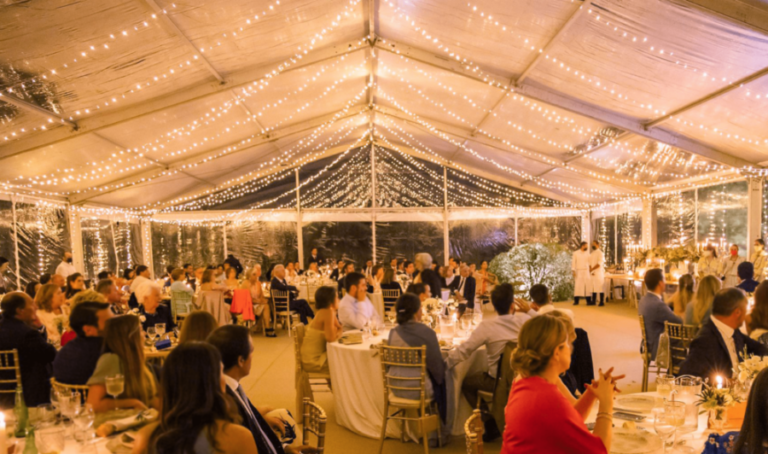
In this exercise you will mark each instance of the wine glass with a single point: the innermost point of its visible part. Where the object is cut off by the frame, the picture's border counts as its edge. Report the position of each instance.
(663, 424)
(55, 401)
(160, 329)
(391, 317)
(115, 385)
(665, 384)
(152, 332)
(84, 420)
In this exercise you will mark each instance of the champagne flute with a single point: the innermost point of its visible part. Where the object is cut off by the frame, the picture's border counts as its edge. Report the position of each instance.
(115, 385)
(663, 424)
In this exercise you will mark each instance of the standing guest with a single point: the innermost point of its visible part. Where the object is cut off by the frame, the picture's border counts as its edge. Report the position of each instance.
(582, 279)
(113, 295)
(325, 328)
(142, 276)
(730, 267)
(355, 309)
(50, 301)
(753, 438)
(539, 419)
(198, 325)
(235, 345)
(178, 284)
(261, 306)
(464, 290)
(597, 273)
(368, 270)
(76, 361)
(683, 295)
(757, 321)
(709, 263)
(299, 306)
(746, 273)
(422, 263)
(234, 263)
(31, 289)
(314, 257)
(5, 284)
(196, 415)
(148, 295)
(719, 346)
(700, 308)
(75, 284)
(654, 310)
(66, 268)
(759, 259)
(494, 334)
(123, 354)
(541, 302)
(375, 278)
(410, 332)
(20, 330)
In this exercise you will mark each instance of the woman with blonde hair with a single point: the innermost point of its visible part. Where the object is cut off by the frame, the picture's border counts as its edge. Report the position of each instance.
(683, 295)
(538, 417)
(699, 308)
(52, 312)
(123, 355)
(197, 326)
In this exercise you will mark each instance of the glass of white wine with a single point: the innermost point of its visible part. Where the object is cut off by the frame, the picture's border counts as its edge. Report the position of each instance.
(665, 384)
(115, 385)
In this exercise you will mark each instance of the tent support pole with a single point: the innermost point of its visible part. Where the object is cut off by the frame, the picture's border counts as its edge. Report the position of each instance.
(76, 238)
(649, 223)
(517, 240)
(299, 233)
(146, 244)
(373, 201)
(224, 234)
(16, 242)
(446, 230)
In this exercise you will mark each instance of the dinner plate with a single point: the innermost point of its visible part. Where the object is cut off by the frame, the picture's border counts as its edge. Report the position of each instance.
(641, 404)
(629, 441)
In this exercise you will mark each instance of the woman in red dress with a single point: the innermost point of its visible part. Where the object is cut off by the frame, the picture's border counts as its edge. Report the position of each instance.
(539, 419)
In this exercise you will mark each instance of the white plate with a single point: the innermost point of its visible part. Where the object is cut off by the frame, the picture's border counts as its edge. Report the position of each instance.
(635, 442)
(642, 404)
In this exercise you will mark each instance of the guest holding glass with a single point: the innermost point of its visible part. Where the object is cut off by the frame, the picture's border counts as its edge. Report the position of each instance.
(355, 309)
(50, 312)
(539, 419)
(324, 328)
(124, 356)
(699, 308)
(148, 296)
(196, 416)
(197, 326)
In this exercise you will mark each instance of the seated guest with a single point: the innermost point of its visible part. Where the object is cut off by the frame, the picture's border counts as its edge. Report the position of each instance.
(313, 270)
(388, 281)
(142, 276)
(75, 283)
(410, 332)
(719, 345)
(654, 310)
(261, 307)
(5, 284)
(231, 282)
(195, 416)
(374, 279)
(297, 267)
(208, 283)
(124, 283)
(747, 282)
(753, 438)
(113, 295)
(700, 308)
(59, 281)
(355, 309)
(401, 267)
(76, 361)
(44, 278)
(420, 290)
(423, 262)
(168, 270)
(197, 327)
(148, 296)
(299, 306)
(235, 345)
(31, 289)
(463, 289)
(123, 354)
(393, 264)
(336, 273)
(368, 269)
(325, 327)
(189, 272)
(291, 276)
(102, 275)
(682, 296)
(539, 419)
(541, 301)
(409, 269)
(494, 334)
(446, 276)
(50, 312)
(21, 330)
(178, 284)
(349, 268)
(220, 274)
(757, 321)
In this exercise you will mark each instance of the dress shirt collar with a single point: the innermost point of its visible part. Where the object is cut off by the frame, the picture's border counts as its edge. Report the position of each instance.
(657, 295)
(725, 330)
(231, 383)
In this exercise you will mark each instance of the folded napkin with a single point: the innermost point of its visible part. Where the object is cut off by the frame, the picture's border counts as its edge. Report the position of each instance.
(119, 425)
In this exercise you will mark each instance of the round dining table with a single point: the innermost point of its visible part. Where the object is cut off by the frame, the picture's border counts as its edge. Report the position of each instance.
(358, 387)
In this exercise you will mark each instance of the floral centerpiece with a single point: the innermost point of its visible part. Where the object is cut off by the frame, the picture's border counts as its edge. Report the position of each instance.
(716, 400)
(430, 309)
(748, 369)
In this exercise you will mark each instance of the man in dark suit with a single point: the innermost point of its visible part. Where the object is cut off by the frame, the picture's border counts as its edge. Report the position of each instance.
(464, 289)
(76, 361)
(236, 348)
(301, 307)
(314, 257)
(654, 310)
(21, 330)
(719, 346)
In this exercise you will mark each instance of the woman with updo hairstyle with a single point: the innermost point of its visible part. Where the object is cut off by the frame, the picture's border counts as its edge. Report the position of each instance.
(538, 417)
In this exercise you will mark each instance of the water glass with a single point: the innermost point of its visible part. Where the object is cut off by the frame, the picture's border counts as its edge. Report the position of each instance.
(665, 384)
(115, 385)
(151, 332)
(160, 329)
(50, 440)
(84, 422)
(663, 424)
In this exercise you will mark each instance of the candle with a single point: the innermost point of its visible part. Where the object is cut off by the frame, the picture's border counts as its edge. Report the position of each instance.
(3, 435)
(719, 380)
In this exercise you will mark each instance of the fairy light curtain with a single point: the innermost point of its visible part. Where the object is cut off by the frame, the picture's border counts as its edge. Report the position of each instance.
(7, 240)
(630, 225)
(565, 231)
(403, 240)
(339, 240)
(722, 215)
(338, 182)
(480, 239)
(764, 214)
(43, 236)
(98, 247)
(128, 244)
(199, 245)
(263, 243)
(675, 218)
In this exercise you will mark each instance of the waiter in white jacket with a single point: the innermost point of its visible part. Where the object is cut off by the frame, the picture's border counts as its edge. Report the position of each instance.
(597, 273)
(582, 280)
(758, 260)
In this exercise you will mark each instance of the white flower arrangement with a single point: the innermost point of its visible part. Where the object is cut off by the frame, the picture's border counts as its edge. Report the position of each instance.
(748, 369)
(135, 311)
(430, 305)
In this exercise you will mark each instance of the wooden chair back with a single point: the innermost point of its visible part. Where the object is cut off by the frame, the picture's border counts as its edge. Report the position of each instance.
(9, 366)
(473, 431)
(680, 338)
(404, 370)
(65, 388)
(390, 297)
(644, 342)
(314, 423)
(181, 303)
(281, 300)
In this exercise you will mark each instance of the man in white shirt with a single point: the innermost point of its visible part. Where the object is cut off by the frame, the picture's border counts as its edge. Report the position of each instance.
(494, 333)
(582, 286)
(355, 309)
(541, 302)
(66, 267)
(142, 276)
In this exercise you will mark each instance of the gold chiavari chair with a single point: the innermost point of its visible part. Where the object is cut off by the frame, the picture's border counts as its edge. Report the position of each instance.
(314, 423)
(473, 431)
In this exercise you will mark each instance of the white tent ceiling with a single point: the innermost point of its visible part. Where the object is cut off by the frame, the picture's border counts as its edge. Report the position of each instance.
(145, 103)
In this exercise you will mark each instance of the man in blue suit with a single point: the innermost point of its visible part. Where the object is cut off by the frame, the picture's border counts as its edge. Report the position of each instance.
(720, 345)
(654, 310)
(464, 288)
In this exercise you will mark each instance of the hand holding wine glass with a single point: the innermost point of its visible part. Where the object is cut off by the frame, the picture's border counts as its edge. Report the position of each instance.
(115, 385)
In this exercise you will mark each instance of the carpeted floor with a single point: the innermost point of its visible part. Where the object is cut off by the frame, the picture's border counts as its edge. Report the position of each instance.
(614, 335)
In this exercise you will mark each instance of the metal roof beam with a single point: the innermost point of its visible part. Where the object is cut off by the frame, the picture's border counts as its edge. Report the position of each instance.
(37, 110)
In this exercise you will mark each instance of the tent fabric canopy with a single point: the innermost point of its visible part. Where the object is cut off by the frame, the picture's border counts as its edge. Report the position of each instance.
(148, 105)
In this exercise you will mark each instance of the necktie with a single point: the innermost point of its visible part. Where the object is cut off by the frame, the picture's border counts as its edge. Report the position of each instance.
(736, 345)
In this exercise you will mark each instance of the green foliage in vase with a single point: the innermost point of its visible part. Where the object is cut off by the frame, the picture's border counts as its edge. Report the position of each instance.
(536, 263)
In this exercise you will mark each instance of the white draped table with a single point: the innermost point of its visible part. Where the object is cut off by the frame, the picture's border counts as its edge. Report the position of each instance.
(358, 388)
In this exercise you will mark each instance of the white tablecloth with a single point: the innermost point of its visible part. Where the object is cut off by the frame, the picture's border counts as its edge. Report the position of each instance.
(358, 389)
(73, 447)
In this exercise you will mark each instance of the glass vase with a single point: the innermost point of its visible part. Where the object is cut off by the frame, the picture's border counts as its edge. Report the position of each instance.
(718, 418)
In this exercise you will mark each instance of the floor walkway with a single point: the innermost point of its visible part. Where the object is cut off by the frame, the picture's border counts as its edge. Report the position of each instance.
(613, 331)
